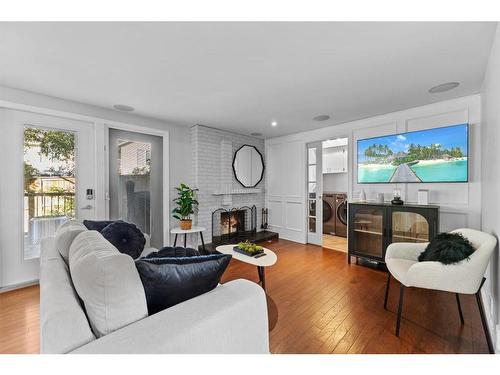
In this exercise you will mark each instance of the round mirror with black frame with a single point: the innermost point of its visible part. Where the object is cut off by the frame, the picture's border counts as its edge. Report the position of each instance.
(248, 166)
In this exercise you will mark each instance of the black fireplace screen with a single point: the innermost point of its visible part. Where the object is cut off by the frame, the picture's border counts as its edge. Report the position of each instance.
(234, 224)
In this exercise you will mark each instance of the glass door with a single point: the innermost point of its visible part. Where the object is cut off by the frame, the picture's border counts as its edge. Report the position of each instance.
(136, 181)
(49, 184)
(409, 227)
(48, 165)
(367, 233)
(314, 194)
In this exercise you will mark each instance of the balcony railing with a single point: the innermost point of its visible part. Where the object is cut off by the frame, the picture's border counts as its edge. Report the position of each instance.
(49, 204)
(43, 213)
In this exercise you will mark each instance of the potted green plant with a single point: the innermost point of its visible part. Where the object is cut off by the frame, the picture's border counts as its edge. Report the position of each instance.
(186, 206)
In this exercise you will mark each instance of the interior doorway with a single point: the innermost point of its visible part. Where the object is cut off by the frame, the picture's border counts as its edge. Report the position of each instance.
(327, 187)
(335, 186)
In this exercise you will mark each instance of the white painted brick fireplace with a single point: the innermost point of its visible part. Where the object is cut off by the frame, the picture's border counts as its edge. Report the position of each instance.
(212, 154)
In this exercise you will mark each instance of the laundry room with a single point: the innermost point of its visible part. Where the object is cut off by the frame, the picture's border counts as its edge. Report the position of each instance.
(335, 187)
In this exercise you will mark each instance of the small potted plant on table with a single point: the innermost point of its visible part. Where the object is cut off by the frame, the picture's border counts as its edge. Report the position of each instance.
(186, 206)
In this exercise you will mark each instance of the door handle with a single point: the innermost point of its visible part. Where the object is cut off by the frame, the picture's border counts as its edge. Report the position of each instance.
(87, 207)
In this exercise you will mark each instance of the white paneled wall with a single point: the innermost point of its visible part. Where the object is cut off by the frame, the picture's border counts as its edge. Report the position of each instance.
(286, 188)
(490, 97)
(286, 173)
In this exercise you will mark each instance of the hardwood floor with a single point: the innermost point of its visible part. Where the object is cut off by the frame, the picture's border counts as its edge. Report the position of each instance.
(19, 312)
(320, 304)
(335, 243)
(317, 304)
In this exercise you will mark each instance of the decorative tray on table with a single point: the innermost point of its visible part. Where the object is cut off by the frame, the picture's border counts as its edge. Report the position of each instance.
(248, 248)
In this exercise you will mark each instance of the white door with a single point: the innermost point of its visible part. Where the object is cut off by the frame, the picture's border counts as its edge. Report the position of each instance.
(314, 193)
(47, 166)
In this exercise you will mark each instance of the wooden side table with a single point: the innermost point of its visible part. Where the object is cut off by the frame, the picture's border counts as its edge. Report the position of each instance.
(178, 230)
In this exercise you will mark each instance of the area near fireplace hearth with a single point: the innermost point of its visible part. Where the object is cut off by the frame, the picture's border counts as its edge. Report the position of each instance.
(227, 209)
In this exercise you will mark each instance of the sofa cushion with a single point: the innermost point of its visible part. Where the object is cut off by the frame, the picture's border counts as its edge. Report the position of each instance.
(65, 235)
(97, 225)
(126, 237)
(107, 282)
(170, 280)
(70, 222)
(63, 323)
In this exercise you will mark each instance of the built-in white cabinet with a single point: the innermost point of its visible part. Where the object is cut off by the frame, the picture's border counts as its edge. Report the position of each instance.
(335, 159)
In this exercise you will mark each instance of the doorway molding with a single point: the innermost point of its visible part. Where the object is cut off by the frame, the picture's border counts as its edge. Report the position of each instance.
(166, 169)
(350, 166)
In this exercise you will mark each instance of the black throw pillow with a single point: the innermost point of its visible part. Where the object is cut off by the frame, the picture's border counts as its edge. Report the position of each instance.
(126, 237)
(168, 281)
(97, 225)
(169, 252)
(447, 248)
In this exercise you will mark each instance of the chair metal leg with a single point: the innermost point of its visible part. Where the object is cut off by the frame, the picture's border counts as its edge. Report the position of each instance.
(483, 319)
(400, 309)
(460, 309)
(387, 289)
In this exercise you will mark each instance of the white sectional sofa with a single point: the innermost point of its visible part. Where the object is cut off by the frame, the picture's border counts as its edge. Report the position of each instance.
(232, 318)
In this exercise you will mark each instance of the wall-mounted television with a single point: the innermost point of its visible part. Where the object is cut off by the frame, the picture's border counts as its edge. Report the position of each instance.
(431, 155)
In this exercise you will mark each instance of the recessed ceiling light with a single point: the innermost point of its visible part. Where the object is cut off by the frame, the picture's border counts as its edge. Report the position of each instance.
(123, 108)
(443, 87)
(256, 134)
(321, 118)
(274, 123)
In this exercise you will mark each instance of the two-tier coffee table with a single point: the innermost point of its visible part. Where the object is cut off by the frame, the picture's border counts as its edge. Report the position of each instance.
(264, 261)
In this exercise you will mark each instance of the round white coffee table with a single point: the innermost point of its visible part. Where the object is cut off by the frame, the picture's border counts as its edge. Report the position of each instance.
(264, 261)
(185, 232)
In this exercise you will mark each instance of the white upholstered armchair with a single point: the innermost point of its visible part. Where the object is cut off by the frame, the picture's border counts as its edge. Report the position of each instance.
(465, 277)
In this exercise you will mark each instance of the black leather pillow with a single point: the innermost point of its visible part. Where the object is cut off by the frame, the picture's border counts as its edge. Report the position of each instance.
(126, 237)
(97, 225)
(447, 248)
(169, 251)
(168, 281)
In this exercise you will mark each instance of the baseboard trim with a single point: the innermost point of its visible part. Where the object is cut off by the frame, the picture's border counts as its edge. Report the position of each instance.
(490, 320)
(18, 286)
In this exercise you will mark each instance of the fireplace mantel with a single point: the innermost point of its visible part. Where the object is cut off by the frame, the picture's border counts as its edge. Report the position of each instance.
(238, 191)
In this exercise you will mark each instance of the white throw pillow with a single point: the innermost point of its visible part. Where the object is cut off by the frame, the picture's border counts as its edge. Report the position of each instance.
(70, 222)
(64, 238)
(107, 282)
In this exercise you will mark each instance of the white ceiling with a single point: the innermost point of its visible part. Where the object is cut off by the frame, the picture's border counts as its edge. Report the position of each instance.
(241, 76)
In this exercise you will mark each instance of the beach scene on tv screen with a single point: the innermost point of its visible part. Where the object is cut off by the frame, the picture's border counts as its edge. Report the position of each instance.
(433, 155)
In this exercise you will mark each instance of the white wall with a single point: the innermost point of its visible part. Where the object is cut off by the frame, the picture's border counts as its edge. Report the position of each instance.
(336, 182)
(490, 186)
(286, 173)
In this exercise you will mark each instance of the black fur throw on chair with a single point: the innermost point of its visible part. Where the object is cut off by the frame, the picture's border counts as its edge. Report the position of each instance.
(447, 248)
